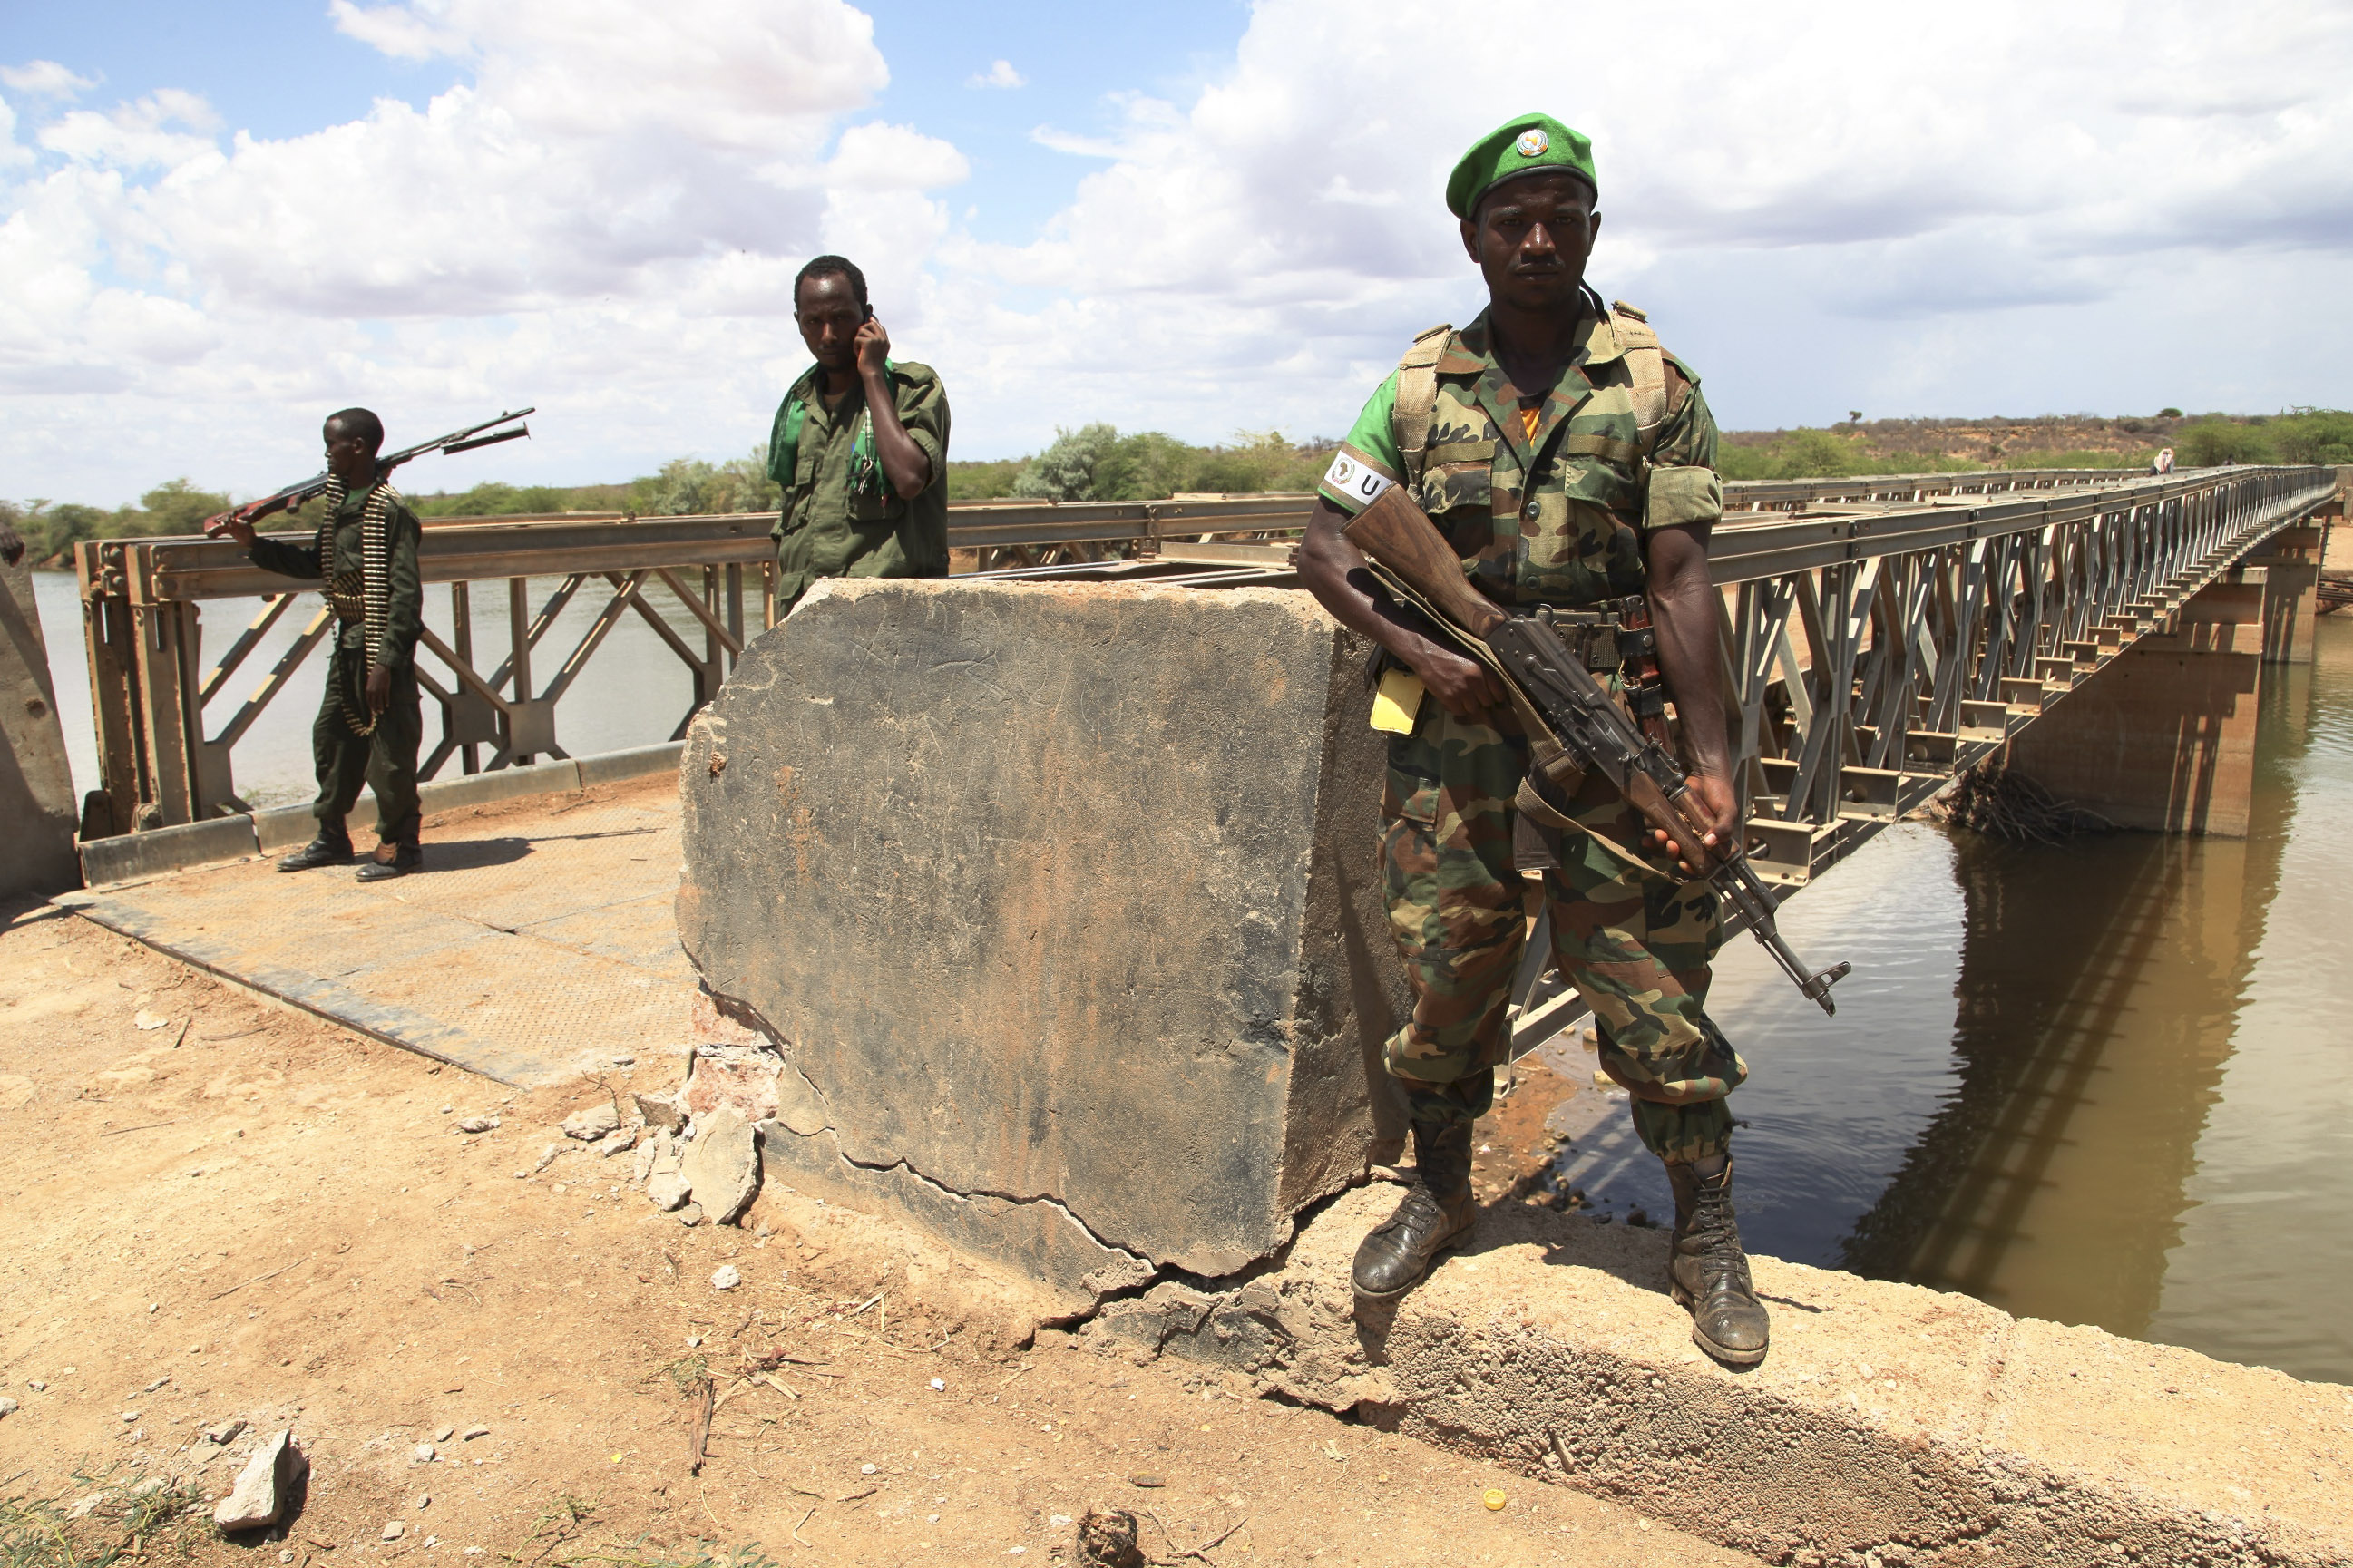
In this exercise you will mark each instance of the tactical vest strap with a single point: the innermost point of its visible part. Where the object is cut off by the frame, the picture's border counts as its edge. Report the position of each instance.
(1646, 362)
(1417, 398)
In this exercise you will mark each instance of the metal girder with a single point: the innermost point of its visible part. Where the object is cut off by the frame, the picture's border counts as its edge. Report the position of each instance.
(1868, 612)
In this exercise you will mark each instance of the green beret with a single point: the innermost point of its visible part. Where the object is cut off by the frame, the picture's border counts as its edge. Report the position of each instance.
(1519, 145)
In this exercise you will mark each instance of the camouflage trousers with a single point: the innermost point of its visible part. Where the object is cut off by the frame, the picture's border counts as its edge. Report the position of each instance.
(1635, 942)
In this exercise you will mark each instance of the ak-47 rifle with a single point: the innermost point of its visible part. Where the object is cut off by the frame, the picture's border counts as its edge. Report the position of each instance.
(1412, 559)
(457, 441)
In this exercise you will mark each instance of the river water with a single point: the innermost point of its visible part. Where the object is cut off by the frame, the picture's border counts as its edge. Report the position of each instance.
(2109, 1083)
(632, 692)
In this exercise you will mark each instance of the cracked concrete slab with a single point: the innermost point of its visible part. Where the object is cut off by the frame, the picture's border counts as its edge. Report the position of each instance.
(1038, 1239)
(1061, 893)
(1890, 1424)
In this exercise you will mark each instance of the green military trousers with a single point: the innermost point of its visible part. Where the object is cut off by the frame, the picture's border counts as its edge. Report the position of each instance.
(1635, 942)
(385, 760)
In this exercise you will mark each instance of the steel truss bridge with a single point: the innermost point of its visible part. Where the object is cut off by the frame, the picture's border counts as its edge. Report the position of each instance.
(1880, 635)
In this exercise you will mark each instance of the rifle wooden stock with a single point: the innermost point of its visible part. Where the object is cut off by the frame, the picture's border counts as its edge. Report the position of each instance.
(1400, 535)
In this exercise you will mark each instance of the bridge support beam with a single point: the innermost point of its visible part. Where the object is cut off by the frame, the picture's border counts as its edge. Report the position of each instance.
(2164, 738)
(2290, 568)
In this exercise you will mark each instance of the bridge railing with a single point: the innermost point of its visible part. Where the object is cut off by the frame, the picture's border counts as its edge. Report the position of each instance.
(168, 726)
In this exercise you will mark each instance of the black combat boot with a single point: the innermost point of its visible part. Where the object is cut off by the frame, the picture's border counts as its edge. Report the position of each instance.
(1436, 1210)
(406, 857)
(332, 847)
(1708, 1273)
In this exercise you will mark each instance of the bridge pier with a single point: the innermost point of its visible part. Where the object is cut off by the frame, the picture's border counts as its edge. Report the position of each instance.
(2164, 738)
(2289, 564)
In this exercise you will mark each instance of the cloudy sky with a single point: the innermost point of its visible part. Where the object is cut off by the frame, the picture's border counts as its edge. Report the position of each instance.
(223, 221)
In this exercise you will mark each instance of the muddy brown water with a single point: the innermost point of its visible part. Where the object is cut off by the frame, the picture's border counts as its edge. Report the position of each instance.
(2108, 1083)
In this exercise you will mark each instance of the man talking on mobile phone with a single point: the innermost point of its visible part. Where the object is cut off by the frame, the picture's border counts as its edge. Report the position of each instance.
(860, 445)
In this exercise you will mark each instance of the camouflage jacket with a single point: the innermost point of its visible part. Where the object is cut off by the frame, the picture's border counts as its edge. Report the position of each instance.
(1556, 517)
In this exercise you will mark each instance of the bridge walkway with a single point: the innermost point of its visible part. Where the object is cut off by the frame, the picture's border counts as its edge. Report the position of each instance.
(536, 944)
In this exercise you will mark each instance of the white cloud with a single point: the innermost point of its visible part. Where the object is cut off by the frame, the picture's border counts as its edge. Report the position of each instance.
(1898, 170)
(1933, 208)
(45, 78)
(603, 218)
(999, 74)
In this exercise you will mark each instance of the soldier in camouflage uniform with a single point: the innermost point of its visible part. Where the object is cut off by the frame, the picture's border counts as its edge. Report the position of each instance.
(1570, 462)
(371, 719)
(860, 445)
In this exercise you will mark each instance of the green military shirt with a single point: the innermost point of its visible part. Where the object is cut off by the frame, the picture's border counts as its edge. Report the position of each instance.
(841, 516)
(1556, 517)
(404, 617)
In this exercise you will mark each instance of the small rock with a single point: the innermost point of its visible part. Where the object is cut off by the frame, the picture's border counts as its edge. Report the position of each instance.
(691, 1215)
(392, 1529)
(479, 1124)
(660, 1110)
(474, 1432)
(643, 1165)
(618, 1142)
(547, 1157)
(37, 1386)
(448, 1108)
(129, 1416)
(261, 1493)
(666, 1192)
(146, 1020)
(223, 1433)
(444, 1433)
(594, 1122)
(156, 1384)
(425, 1499)
(1147, 1479)
(624, 1061)
(865, 1470)
(939, 1385)
(422, 1453)
(722, 1165)
(7, 1407)
(285, 1555)
(82, 1510)
(726, 1277)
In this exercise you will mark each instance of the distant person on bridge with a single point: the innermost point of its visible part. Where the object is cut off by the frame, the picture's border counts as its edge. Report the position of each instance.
(2163, 463)
(1570, 462)
(370, 719)
(860, 445)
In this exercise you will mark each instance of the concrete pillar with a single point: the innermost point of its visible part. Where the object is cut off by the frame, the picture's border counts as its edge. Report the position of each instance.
(2290, 568)
(2164, 738)
(36, 802)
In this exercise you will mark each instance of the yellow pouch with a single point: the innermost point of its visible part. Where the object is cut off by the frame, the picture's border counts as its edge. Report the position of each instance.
(1396, 701)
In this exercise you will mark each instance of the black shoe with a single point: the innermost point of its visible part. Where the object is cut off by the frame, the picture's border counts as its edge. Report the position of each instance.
(1707, 1273)
(406, 857)
(327, 849)
(1437, 1210)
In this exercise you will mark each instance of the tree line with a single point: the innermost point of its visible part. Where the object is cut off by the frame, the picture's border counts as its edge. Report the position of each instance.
(1097, 462)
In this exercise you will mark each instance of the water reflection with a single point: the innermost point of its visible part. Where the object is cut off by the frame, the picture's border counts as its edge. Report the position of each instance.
(2108, 1083)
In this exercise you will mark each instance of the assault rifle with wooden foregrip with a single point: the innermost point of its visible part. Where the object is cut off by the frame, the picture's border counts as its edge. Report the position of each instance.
(457, 441)
(1413, 560)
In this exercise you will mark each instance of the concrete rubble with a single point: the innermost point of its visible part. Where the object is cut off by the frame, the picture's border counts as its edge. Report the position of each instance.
(264, 1486)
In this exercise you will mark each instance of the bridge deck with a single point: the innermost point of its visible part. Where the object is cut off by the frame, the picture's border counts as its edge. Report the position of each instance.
(537, 942)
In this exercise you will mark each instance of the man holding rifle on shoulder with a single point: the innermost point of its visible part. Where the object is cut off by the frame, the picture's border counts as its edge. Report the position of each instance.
(371, 719)
(1567, 462)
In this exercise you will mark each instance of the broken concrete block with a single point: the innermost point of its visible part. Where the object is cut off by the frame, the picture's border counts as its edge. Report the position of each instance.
(722, 1166)
(1054, 897)
(594, 1122)
(660, 1110)
(666, 1192)
(263, 1487)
